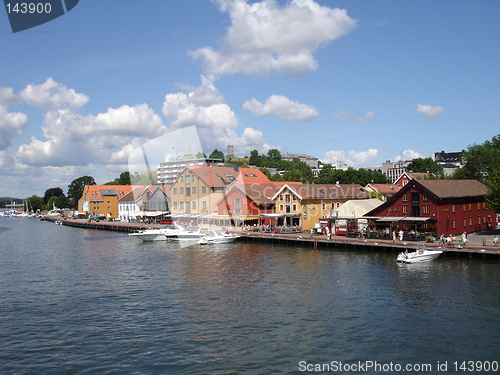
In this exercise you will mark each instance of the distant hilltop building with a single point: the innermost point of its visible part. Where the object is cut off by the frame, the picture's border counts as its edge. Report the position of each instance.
(309, 160)
(392, 169)
(169, 171)
(448, 160)
(230, 152)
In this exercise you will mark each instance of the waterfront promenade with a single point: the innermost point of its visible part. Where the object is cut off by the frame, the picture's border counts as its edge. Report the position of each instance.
(479, 244)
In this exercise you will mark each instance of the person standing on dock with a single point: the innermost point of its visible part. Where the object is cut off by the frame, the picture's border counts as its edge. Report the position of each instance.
(464, 239)
(393, 236)
(401, 235)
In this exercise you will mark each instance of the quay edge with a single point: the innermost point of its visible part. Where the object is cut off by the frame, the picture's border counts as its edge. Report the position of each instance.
(305, 240)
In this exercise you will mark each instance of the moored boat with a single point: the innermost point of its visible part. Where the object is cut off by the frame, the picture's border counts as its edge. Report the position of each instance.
(213, 237)
(156, 234)
(420, 255)
(183, 234)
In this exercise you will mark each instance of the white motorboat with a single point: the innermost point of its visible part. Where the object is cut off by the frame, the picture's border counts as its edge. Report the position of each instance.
(213, 237)
(183, 234)
(156, 234)
(420, 255)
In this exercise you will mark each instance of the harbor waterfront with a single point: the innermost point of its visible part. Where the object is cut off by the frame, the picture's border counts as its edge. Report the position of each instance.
(476, 247)
(81, 301)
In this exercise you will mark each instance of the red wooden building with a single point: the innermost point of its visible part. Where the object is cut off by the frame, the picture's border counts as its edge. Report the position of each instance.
(436, 207)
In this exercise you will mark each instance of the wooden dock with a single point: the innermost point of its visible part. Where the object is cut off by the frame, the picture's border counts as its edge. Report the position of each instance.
(304, 239)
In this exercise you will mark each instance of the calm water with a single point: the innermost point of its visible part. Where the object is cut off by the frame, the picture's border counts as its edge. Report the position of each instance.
(77, 301)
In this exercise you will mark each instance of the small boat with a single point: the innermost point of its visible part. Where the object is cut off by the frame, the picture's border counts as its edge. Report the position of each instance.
(181, 234)
(58, 222)
(213, 237)
(156, 234)
(420, 255)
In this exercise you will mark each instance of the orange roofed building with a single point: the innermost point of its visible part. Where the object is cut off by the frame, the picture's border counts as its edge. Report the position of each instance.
(102, 200)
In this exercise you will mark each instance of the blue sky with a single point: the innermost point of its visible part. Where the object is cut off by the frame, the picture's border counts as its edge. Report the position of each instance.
(355, 81)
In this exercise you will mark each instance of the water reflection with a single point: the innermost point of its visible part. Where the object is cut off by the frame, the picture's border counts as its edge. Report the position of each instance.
(93, 301)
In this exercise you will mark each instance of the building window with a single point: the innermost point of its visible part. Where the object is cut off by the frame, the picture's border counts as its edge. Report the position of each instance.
(280, 197)
(238, 212)
(188, 179)
(323, 206)
(181, 190)
(465, 222)
(294, 197)
(452, 208)
(294, 207)
(463, 208)
(424, 196)
(287, 197)
(193, 190)
(478, 206)
(204, 205)
(405, 208)
(453, 224)
(425, 208)
(175, 205)
(175, 190)
(405, 197)
(282, 208)
(470, 221)
(470, 207)
(237, 203)
(181, 206)
(193, 204)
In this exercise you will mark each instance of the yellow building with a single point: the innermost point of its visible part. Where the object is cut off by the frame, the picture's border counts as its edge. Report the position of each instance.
(102, 200)
(199, 189)
(304, 205)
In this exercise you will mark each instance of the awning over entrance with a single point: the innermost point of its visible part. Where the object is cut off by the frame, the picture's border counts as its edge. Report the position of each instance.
(407, 219)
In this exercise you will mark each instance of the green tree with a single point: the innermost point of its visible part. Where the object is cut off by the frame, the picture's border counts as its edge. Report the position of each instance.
(124, 179)
(274, 154)
(376, 195)
(33, 203)
(255, 158)
(216, 154)
(266, 172)
(52, 192)
(427, 165)
(75, 188)
(482, 162)
(325, 175)
(59, 202)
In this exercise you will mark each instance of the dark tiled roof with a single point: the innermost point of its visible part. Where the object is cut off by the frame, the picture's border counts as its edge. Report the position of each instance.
(455, 188)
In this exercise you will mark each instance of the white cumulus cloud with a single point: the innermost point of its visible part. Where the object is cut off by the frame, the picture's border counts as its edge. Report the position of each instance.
(12, 124)
(352, 158)
(409, 155)
(265, 37)
(52, 95)
(429, 110)
(216, 123)
(71, 139)
(281, 107)
(353, 118)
